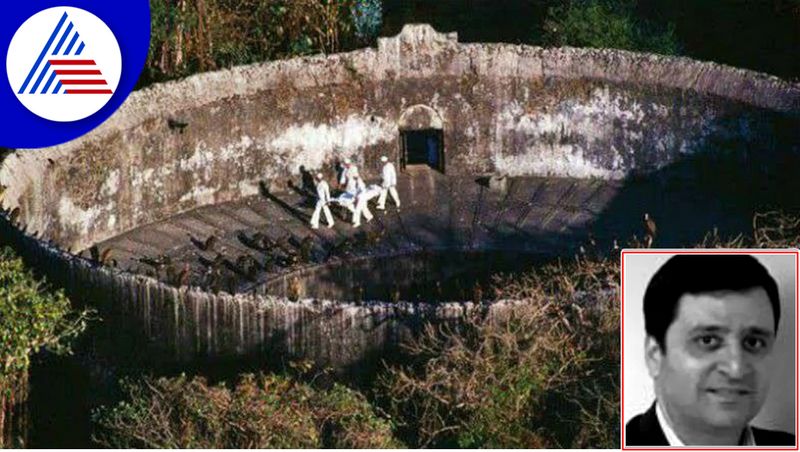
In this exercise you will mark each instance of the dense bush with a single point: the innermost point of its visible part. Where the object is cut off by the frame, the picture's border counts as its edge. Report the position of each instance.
(545, 377)
(267, 411)
(367, 18)
(606, 24)
(190, 36)
(32, 318)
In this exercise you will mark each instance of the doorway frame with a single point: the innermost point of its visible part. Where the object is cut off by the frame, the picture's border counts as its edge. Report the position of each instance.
(404, 149)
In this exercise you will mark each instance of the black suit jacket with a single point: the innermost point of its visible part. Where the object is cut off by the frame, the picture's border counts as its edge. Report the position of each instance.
(644, 430)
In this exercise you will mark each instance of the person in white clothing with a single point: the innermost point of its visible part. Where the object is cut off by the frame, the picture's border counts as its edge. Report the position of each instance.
(389, 184)
(362, 196)
(323, 198)
(349, 176)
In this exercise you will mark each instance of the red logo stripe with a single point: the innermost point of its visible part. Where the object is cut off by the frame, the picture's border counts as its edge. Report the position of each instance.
(83, 82)
(78, 72)
(84, 62)
(89, 91)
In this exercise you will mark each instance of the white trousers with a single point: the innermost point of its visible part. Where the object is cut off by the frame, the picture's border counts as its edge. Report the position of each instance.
(321, 206)
(361, 208)
(382, 199)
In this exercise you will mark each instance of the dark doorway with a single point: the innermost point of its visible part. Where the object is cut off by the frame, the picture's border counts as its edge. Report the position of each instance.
(423, 147)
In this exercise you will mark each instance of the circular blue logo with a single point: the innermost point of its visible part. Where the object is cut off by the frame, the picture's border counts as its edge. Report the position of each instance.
(68, 67)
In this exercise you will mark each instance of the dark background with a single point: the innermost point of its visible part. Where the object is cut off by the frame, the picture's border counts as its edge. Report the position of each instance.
(762, 35)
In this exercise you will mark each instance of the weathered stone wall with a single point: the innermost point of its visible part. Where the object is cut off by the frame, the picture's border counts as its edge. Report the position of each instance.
(503, 108)
(189, 325)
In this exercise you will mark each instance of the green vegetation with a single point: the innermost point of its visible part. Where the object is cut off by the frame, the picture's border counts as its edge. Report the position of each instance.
(606, 24)
(545, 377)
(190, 36)
(264, 412)
(32, 318)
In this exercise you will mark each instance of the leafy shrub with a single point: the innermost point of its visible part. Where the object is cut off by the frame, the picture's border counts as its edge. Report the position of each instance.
(32, 318)
(266, 411)
(367, 18)
(190, 36)
(606, 24)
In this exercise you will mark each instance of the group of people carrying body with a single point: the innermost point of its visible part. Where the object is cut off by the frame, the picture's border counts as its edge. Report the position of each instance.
(356, 193)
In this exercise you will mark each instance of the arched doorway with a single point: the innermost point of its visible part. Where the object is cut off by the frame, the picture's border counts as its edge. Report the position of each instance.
(421, 138)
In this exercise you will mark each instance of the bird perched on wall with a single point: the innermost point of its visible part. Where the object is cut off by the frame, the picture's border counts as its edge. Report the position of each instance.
(247, 267)
(649, 229)
(394, 294)
(14, 216)
(172, 274)
(207, 244)
(99, 257)
(269, 263)
(104, 256)
(175, 124)
(233, 282)
(477, 293)
(218, 261)
(184, 276)
(159, 263)
(293, 290)
(212, 279)
(94, 253)
(256, 241)
(306, 248)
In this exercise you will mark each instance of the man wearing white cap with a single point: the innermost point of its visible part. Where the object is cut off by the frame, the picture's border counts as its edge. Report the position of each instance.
(323, 198)
(362, 196)
(389, 184)
(349, 176)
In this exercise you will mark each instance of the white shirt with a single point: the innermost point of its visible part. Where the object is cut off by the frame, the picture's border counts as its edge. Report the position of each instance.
(349, 176)
(389, 175)
(323, 191)
(672, 437)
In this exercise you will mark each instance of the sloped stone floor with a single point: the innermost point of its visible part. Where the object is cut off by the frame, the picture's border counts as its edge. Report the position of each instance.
(533, 215)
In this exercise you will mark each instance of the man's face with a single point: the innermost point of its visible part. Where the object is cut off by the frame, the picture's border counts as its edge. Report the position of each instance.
(714, 373)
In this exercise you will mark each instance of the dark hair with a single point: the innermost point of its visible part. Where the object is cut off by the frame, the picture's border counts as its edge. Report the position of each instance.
(700, 273)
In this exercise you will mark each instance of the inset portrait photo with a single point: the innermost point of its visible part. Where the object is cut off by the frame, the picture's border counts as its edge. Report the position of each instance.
(709, 348)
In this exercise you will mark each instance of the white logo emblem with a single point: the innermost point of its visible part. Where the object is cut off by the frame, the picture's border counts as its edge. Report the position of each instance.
(64, 64)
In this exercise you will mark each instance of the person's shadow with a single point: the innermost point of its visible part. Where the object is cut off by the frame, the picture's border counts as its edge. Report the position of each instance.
(307, 180)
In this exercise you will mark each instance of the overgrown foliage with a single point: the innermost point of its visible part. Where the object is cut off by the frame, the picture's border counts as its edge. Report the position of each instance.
(606, 24)
(32, 318)
(545, 374)
(265, 411)
(545, 377)
(190, 36)
(773, 229)
(367, 18)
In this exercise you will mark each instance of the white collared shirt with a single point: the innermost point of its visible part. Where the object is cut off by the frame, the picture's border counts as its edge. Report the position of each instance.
(672, 437)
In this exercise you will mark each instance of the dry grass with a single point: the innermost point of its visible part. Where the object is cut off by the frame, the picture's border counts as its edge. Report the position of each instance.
(548, 376)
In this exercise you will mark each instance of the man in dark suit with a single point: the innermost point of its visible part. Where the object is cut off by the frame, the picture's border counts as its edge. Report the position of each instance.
(711, 322)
